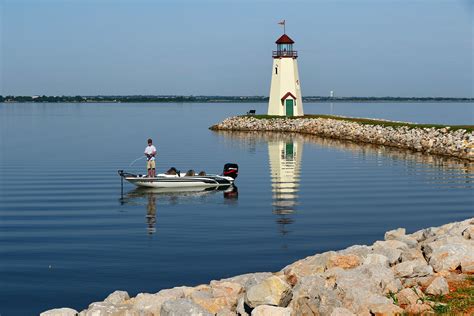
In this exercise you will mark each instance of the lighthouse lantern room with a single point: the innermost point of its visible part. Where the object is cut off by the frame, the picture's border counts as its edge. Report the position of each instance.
(285, 91)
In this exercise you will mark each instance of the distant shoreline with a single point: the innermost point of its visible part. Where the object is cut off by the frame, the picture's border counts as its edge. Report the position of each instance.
(217, 99)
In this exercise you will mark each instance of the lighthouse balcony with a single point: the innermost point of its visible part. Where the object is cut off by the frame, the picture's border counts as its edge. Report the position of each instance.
(285, 53)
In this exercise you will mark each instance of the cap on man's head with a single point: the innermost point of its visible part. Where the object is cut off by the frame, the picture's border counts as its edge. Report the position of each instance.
(150, 141)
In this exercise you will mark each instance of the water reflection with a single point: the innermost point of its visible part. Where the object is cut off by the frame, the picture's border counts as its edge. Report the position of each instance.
(149, 197)
(361, 150)
(285, 164)
(285, 152)
(151, 213)
(231, 194)
(454, 173)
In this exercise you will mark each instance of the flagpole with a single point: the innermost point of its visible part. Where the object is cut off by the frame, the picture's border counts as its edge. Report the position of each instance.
(283, 22)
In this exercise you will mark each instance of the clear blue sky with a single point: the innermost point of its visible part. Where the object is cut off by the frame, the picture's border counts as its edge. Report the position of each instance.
(356, 48)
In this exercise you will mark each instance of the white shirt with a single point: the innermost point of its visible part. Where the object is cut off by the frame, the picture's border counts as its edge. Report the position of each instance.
(149, 150)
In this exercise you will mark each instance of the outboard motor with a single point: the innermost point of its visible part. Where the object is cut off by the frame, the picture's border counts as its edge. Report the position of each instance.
(231, 170)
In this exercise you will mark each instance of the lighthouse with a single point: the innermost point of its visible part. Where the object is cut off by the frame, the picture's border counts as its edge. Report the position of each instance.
(285, 91)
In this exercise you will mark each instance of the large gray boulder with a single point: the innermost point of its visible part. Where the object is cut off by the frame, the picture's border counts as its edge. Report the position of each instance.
(372, 277)
(439, 286)
(314, 295)
(60, 312)
(458, 228)
(360, 288)
(223, 296)
(468, 233)
(394, 234)
(176, 292)
(362, 251)
(308, 266)
(377, 259)
(108, 309)
(271, 291)
(145, 303)
(393, 244)
(449, 257)
(386, 310)
(410, 296)
(436, 242)
(412, 254)
(408, 240)
(246, 280)
(392, 249)
(266, 310)
(361, 301)
(341, 311)
(413, 268)
(150, 304)
(182, 306)
(117, 297)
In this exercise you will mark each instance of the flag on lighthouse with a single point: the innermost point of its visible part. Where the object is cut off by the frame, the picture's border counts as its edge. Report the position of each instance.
(282, 22)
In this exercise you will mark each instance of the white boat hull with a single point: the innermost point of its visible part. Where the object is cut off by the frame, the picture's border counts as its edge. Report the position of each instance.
(175, 181)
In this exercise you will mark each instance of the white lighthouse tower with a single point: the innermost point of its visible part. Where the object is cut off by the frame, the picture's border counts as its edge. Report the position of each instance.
(285, 91)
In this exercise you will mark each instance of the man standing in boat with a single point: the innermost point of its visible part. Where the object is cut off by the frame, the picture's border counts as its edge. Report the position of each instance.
(150, 153)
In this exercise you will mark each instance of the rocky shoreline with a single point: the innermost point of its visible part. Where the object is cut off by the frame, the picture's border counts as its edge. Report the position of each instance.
(457, 143)
(403, 274)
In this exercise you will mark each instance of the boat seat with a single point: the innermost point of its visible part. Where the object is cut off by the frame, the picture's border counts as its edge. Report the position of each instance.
(172, 171)
(202, 173)
(190, 173)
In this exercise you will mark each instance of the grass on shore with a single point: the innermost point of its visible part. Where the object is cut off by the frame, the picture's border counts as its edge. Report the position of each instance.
(469, 128)
(458, 302)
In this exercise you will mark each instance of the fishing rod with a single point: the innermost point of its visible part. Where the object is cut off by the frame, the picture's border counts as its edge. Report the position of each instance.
(141, 157)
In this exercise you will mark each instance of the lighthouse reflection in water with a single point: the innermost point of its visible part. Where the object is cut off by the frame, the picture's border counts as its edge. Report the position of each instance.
(285, 166)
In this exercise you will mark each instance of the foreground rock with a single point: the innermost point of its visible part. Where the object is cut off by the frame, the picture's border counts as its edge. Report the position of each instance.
(442, 141)
(60, 312)
(390, 277)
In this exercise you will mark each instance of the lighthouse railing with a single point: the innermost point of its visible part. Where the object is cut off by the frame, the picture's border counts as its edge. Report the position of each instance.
(285, 53)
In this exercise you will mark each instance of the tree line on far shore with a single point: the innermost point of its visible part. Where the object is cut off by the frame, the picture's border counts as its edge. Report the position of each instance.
(211, 99)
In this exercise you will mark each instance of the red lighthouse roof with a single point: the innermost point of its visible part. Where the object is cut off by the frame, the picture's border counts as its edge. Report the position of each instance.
(284, 39)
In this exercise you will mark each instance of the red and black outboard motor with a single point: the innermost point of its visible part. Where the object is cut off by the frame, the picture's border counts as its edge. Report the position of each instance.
(231, 170)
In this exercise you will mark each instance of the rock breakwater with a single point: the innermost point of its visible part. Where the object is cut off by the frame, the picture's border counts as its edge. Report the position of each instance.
(445, 141)
(402, 274)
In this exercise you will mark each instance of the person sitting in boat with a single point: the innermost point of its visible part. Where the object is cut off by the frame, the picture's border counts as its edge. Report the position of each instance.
(150, 153)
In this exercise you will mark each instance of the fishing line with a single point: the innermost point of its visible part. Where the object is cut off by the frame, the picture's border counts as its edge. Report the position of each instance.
(136, 160)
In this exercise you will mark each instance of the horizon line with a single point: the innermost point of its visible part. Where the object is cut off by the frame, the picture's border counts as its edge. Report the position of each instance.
(221, 96)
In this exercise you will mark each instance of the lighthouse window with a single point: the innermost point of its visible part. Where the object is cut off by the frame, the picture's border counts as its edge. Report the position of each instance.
(276, 70)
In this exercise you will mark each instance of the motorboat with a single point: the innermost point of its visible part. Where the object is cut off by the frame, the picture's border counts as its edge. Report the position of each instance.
(174, 179)
(187, 191)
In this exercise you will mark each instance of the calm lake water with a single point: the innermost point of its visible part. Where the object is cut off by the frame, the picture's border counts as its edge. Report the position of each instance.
(68, 239)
